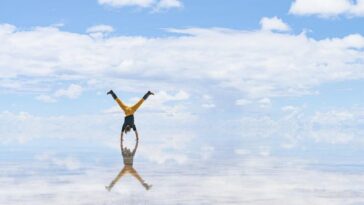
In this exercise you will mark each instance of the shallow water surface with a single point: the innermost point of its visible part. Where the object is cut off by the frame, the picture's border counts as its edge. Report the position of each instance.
(53, 178)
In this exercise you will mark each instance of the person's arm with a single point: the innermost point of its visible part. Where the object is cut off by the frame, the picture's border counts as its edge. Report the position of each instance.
(121, 141)
(137, 142)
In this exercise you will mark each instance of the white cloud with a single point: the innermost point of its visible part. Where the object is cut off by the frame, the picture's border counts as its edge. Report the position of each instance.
(206, 152)
(163, 4)
(262, 103)
(290, 109)
(46, 99)
(241, 152)
(160, 99)
(158, 4)
(100, 29)
(273, 24)
(263, 69)
(168, 147)
(208, 105)
(242, 102)
(337, 126)
(265, 102)
(335, 136)
(295, 127)
(73, 91)
(334, 117)
(328, 8)
(69, 163)
(264, 151)
(6, 29)
(354, 41)
(358, 8)
(23, 127)
(207, 102)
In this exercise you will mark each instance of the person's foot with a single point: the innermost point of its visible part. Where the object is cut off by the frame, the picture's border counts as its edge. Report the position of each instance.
(107, 188)
(112, 94)
(147, 95)
(147, 186)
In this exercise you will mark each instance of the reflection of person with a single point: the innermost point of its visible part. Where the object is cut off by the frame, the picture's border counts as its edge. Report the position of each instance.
(129, 111)
(128, 157)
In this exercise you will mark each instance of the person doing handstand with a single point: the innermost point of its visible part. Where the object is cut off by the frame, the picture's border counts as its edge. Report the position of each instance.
(129, 110)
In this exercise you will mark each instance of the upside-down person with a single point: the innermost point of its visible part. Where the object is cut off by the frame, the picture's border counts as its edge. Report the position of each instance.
(128, 158)
(129, 110)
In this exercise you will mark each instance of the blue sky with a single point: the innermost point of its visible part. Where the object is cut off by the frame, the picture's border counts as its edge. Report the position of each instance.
(133, 20)
(244, 83)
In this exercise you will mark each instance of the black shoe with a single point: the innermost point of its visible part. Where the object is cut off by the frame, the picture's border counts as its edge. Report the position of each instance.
(112, 94)
(147, 95)
(147, 186)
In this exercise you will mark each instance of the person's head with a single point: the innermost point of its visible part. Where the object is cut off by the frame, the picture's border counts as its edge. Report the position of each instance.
(127, 152)
(127, 129)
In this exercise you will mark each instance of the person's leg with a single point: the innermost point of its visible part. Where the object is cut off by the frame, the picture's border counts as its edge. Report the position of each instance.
(117, 178)
(139, 178)
(140, 102)
(136, 106)
(120, 103)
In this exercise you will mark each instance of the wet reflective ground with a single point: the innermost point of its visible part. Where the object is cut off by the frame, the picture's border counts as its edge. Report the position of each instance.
(29, 178)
